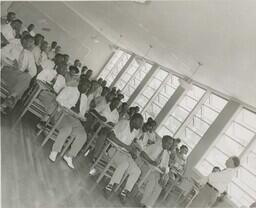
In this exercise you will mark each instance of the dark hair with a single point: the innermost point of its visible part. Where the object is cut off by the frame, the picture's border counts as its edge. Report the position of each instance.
(183, 146)
(137, 116)
(73, 68)
(17, 21)
(236, 160)
(165, 137)
(27, 37)
(11, 13)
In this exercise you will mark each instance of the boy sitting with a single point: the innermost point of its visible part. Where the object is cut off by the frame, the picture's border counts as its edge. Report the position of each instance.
(157, 155)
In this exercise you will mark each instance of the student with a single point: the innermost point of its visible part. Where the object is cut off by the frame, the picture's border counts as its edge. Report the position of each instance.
(84, 69)
(71, 76)
(30, 29)
(142, 141)
(87, 75)
(43, 59)
(76, 98)
(51, 52)
(66, 59)
(123, 109)
(123, 135)
(57, 81)
(111, 116)
(104, 83)
(215, 183)
(37, 50)
(100, 98)
(131, 111)
(57, 49)
(99, 89)
(10, 31)
(156, 155)
(9, 18)
(18, 76)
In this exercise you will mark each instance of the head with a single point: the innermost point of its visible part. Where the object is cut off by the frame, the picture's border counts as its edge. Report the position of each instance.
(136, 121)
(146, 127)
(16, 25)
(216, 169)
(233, 162)
(25, 32)
(11, 16)
(124, 108)
(77, 63)
(27, 42)
(114, 103)
(53, 44)
(88, 74)
(110, 96)
(177, 141)
(57, 49)
(44, 46)
(38, 39)
(31, 27)
(84, 69)
(58, 59)
(94, 86)
(100, 81)
(84, 87)
(183, 150)
(104, 83)
(137, 109)
(61, 69)
(167, 142)
(66, 58)
(73, 70)
(105, 91)
(113, 89)
(131, 111)
(120, 96)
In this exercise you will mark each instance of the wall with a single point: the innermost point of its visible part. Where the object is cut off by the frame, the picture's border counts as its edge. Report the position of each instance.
(68, 29)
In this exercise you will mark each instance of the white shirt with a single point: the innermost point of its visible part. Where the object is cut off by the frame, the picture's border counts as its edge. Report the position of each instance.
(47, 75)
(32, 33)
(8, 32)
(220, 180)
(47, 64)
(98, 92)
(27, 62)
(145, 137)
(100, 104)
(11, 52)
(123, 132)
(51, 54)
(154, 150)
(37, 53)
(59, 84)
(68, 98)
(111, 116)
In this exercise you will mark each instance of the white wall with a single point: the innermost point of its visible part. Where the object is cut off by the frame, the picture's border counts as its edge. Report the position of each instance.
(68, 29)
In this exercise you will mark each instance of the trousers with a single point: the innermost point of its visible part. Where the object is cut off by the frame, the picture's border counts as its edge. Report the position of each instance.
(124, 164)
(70, 126)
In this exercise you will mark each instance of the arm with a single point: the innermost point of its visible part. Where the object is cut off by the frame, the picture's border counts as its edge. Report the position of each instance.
(147, 158)
(98, 115)
(113, 138)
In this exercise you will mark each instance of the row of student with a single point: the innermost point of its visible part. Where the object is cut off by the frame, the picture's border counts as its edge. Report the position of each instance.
(27, 57)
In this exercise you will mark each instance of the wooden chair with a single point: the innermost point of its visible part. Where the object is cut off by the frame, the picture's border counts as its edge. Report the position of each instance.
(105, 165)
(31, 103)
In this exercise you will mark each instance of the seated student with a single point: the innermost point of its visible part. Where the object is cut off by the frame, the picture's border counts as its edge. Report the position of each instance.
(216, 183)
(58, 49)
(66, 59)
(77, 64)
(51, 53)
(75, 98)
(71, 76)
(123, 135)
(47, 97)
(123, 111)
(83, 70)
(100, 98)
(9, 18)
(110, 115)
(131, 111)
(177, 166)
(30, 29)
(10, 31)
(104, 83)
(18, 76)
(37, 49)
(100, 88)
(87, 75)
(156, 155)
(43, 59)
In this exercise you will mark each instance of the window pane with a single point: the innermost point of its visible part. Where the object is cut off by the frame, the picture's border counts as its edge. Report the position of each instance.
(234, 142)
(114, 66)
(164, 93)
(132, 77)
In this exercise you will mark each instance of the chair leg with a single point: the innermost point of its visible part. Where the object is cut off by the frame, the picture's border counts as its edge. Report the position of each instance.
(67, 145)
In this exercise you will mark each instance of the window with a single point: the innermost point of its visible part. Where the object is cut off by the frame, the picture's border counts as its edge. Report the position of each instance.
(239, 139)
(150, 89)
(114, 66)
(175, 119)
(132, 77)
(202, 120)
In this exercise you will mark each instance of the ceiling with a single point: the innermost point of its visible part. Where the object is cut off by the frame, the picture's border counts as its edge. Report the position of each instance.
(219, 34)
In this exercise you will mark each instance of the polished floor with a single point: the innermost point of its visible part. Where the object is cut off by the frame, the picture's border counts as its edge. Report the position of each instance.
(31, 180)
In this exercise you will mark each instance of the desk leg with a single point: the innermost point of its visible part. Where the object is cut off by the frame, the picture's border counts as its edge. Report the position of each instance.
(53, 129)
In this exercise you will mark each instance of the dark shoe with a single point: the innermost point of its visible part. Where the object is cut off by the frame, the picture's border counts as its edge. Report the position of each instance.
(124, 197)
(108, 191)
